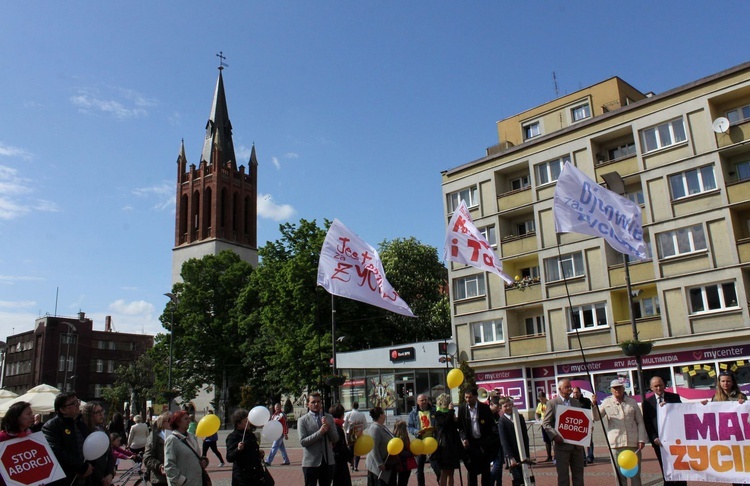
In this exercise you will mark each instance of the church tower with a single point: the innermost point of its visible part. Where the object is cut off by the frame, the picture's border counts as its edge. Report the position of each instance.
(217, 201)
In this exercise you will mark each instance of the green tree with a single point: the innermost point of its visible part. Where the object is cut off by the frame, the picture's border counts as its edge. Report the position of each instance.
(134, 383)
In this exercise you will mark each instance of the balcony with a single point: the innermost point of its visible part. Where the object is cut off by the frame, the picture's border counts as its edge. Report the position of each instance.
(528, 344)
(743, 250)
(514, 199)
(639, 272)
(737, 133)
(517, 244)
(520, 293)
(738, 191)
(648, 328)
(623, 166)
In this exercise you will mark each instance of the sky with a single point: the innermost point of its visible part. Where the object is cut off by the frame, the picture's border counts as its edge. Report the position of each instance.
(354, 108)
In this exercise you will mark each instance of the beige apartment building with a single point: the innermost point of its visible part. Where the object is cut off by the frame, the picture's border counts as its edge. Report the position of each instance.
(684, 157)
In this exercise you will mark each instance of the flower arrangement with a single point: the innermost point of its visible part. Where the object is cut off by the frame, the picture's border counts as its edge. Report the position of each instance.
(335, 380)
(635, 347)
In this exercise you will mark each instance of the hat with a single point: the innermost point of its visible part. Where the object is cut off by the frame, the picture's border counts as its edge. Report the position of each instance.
(616, 383)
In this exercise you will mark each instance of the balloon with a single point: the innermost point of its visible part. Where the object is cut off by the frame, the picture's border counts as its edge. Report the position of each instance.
(455, 378)
(272, 430)
(430, 445)
(416, 446)
(258, 416)
(363, 445)
(208, 425)
(95, 445)
(629, 473)
(395, 446)
(627, 459)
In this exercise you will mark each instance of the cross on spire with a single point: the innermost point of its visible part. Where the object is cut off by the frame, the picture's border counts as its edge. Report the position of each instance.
(221, 57)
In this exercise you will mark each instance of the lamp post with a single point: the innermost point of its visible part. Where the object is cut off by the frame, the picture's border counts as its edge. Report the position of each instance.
(67, 354)
(175, 301)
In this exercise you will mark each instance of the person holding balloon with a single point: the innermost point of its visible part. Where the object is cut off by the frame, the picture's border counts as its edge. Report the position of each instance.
(626, 432)
(92, 415)
(421, 424)
(153, 457)
(244, 452)
(65, 433)
(381, 469)
(182, 464)
(406, 456)
(450, 450)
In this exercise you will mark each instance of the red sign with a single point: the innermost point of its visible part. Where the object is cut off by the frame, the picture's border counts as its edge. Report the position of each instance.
(573, 425)
(28, 462)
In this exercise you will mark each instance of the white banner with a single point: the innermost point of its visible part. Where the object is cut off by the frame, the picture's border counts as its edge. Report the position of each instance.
(705, 442)
(465, 244)
(583, 206)
(351, 268)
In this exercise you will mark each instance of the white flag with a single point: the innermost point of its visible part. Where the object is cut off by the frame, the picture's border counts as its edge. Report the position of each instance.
(583, 206)
(351, 268)
(465, 244)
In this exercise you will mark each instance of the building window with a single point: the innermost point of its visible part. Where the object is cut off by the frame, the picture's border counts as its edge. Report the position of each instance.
(468, 287)
(110, 366)
(487, 331)
(71, 363)
(743, 170)
(681, 241)
(580, 112)
(97, 390)
(489, 234)
(636, 197)
(692, 182)
(520, 183)
(99, 365)
(531, 130)
(661, 136)
(646, 307)
(713, 297)
(530, 272)
(535, 325)
(547, 172)
(739, 115)
(525, 227)
(470, 195)
(567, 266)
(622, 151)
(61, 364)
(588, 316)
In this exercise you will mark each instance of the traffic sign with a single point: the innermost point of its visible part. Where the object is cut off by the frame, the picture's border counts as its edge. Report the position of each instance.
(29, 461)
(574, 425)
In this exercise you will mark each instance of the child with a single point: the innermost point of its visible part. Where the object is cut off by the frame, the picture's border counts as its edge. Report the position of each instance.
(118, 451)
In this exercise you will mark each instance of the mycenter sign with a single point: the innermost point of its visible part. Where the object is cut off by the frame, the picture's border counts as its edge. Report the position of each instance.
(29, 461)
(574, 424)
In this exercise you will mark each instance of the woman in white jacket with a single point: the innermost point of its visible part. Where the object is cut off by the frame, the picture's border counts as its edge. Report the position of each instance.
(138, 436)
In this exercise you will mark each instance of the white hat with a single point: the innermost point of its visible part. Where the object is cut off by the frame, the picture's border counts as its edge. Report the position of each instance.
(616, 383)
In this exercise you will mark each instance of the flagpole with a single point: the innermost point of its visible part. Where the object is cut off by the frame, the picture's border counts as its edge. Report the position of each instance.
(334, 388)
(638, 357)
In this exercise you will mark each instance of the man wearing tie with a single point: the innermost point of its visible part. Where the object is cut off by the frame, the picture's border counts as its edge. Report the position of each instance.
(317, 434)
(569, 458)
(651, 418)
(479, 436)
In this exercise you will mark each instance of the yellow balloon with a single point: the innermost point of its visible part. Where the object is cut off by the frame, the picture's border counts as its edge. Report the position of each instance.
(208, 425)
(363, 445)
(627, 459)
(455, 378)
(416, 446)
(430, 445)
(395, 446)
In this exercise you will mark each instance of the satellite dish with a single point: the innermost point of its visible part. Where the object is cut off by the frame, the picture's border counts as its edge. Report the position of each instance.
(721, 125)
(452, 348)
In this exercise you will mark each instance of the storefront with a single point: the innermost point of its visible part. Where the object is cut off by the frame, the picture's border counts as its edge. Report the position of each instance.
(393, 377)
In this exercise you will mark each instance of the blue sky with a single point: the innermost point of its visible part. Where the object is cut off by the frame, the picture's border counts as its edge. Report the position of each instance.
(354, 107)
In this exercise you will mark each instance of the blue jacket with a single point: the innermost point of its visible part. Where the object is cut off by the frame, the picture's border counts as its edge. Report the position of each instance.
(413, 425)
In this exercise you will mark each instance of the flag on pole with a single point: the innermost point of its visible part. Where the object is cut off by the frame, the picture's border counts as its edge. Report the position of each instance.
(465, 244)
(583, 206)
(351, 268)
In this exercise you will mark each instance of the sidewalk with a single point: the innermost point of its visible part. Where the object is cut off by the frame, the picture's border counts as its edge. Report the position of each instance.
(598, 473)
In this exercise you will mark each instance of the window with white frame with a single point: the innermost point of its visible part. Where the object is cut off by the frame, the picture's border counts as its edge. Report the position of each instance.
(713, 297)
(569, 266)
(588, 316)
(487, 331)
(489, 234)
(691, 182)
(520, 183)
(664, 135)
(739, 115)
(468, 287)
(525, 227)
(530, 272)
(470, 195)
(71, 363)
(98, 390)
(636, 197)
(621, 151)
(681, 241)
(580, 112)
(110, 366)
(549, 171)
(646, 307)
(531, 130)
(535, 325)
(61, 363)
(100, 366)
(742, 169)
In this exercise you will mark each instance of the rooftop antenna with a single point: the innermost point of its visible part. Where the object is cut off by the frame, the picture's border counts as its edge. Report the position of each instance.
(554, 79)
(221, 57)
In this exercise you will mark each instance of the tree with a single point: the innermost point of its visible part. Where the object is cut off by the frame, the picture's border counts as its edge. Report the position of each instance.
(134, 383)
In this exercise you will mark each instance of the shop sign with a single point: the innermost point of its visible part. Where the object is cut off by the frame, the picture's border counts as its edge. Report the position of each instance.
(403, 354)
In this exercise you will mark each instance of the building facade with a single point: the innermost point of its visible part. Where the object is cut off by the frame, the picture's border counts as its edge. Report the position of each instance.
(684, 157)
(216, 202)
(67, 353)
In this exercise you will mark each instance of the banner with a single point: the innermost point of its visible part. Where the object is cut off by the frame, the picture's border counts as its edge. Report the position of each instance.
(465, 244)
(349, 267)
(583, 206)
(705, 442)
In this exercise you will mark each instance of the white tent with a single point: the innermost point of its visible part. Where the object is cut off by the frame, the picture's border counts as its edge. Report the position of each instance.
(41, 398)
(6, 395)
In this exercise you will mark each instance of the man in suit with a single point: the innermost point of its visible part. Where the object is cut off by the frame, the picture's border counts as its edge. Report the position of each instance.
(507, 430)
(317, 434)
(650, 417)
(585, 403)
(478, 435)
(569, 458)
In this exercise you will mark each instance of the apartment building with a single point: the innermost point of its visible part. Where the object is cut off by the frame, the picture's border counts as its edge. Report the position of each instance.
(684, 157)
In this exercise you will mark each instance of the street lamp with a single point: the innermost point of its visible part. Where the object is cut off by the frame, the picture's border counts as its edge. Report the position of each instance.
(66, 366)
(175, 302)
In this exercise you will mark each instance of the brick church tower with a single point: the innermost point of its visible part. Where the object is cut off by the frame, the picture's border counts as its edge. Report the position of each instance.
(216, 201)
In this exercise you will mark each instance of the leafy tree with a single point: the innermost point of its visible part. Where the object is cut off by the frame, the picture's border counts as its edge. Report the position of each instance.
(134, 383)
(470, 380)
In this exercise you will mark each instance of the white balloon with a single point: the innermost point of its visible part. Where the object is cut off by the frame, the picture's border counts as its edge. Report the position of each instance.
(95, 445)
(258, 416)
(272, 430)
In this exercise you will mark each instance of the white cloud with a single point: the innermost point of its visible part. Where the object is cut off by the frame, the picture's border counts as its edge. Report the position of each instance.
(9, 279)
(275, 162)
(268, 209)
(24, 304)
(12, 189)
(291, 155)
(164, 192)
(10, 151)
(121, 103)
(138, 307)
(243, 154)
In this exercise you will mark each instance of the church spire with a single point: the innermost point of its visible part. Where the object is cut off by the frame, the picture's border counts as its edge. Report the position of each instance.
(219, 128)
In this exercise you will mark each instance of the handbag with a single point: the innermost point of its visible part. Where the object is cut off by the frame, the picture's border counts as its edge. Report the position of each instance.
(408, 464)
(267, 479)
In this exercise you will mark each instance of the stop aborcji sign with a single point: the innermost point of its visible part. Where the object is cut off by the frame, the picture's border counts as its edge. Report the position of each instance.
(29, 461)
(574, 424)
